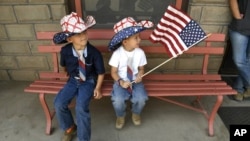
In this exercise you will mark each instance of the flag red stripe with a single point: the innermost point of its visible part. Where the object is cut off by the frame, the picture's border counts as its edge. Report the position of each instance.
(179, 17)
(181, 14)
(168, 29)
(174, 44)
(164, 40)
(175, 37)
(170, 23)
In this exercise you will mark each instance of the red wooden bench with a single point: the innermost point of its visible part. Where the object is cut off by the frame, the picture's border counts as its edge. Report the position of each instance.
(161, 86)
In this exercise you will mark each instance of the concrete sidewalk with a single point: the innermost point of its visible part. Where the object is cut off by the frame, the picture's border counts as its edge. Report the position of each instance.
(22, 119)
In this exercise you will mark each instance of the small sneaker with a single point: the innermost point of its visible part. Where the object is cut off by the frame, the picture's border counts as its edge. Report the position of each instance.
(247, 93)
(238, 97)
(120, 121)
(136, 119)
(69, 134)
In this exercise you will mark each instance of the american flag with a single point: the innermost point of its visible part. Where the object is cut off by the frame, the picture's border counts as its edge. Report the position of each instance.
(177, 32)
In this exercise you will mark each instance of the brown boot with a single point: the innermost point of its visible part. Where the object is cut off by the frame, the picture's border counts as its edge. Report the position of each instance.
(136, 119)
(69, 133)
(120, 121)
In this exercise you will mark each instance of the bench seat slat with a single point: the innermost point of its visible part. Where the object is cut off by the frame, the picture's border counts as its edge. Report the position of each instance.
(186, 88)
(182, 77)
(44, 90)
(148, 85)
(47, 85)
(179, 92)
(53, 75)
(191, 92)
(179, 84)
(38, 89)
(50, 81)
(108, 86)
(153, 83)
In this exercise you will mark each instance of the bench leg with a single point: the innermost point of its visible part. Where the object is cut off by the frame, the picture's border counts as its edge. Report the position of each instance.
(213, 114)
(47, 113)
(210, 117)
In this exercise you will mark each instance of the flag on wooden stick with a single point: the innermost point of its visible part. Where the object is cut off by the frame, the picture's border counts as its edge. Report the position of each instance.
(177, 32)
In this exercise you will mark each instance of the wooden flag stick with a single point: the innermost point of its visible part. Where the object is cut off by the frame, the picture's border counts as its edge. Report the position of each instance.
(171, 58)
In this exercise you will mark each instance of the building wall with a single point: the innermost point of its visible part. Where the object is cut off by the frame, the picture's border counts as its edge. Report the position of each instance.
(19, 59)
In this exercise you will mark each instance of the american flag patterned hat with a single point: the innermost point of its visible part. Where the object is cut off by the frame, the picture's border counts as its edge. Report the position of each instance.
(125, 28)
(72, 24)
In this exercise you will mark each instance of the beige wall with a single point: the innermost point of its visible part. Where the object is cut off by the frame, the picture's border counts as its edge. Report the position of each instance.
(19, 59)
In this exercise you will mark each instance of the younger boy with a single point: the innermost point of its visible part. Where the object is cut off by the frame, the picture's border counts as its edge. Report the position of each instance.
(127, 65)
(85, 67)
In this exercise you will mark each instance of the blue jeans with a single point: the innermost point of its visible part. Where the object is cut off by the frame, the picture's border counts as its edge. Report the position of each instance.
(83, 91)
(138, 98)
(241, 53)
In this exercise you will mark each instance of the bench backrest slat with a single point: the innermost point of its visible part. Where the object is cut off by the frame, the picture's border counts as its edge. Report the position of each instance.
(160, 50)
(46, 35)
(102, 34)
(95, 34)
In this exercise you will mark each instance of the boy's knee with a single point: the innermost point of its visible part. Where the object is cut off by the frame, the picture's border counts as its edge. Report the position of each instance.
(140, 101)
(81, 108)
(59, 105)
(118, 102)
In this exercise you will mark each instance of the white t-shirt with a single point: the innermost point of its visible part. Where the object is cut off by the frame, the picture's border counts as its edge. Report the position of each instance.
(122, 58)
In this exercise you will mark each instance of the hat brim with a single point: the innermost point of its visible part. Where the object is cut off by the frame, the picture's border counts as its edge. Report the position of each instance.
(61, 37)
(123, 34)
